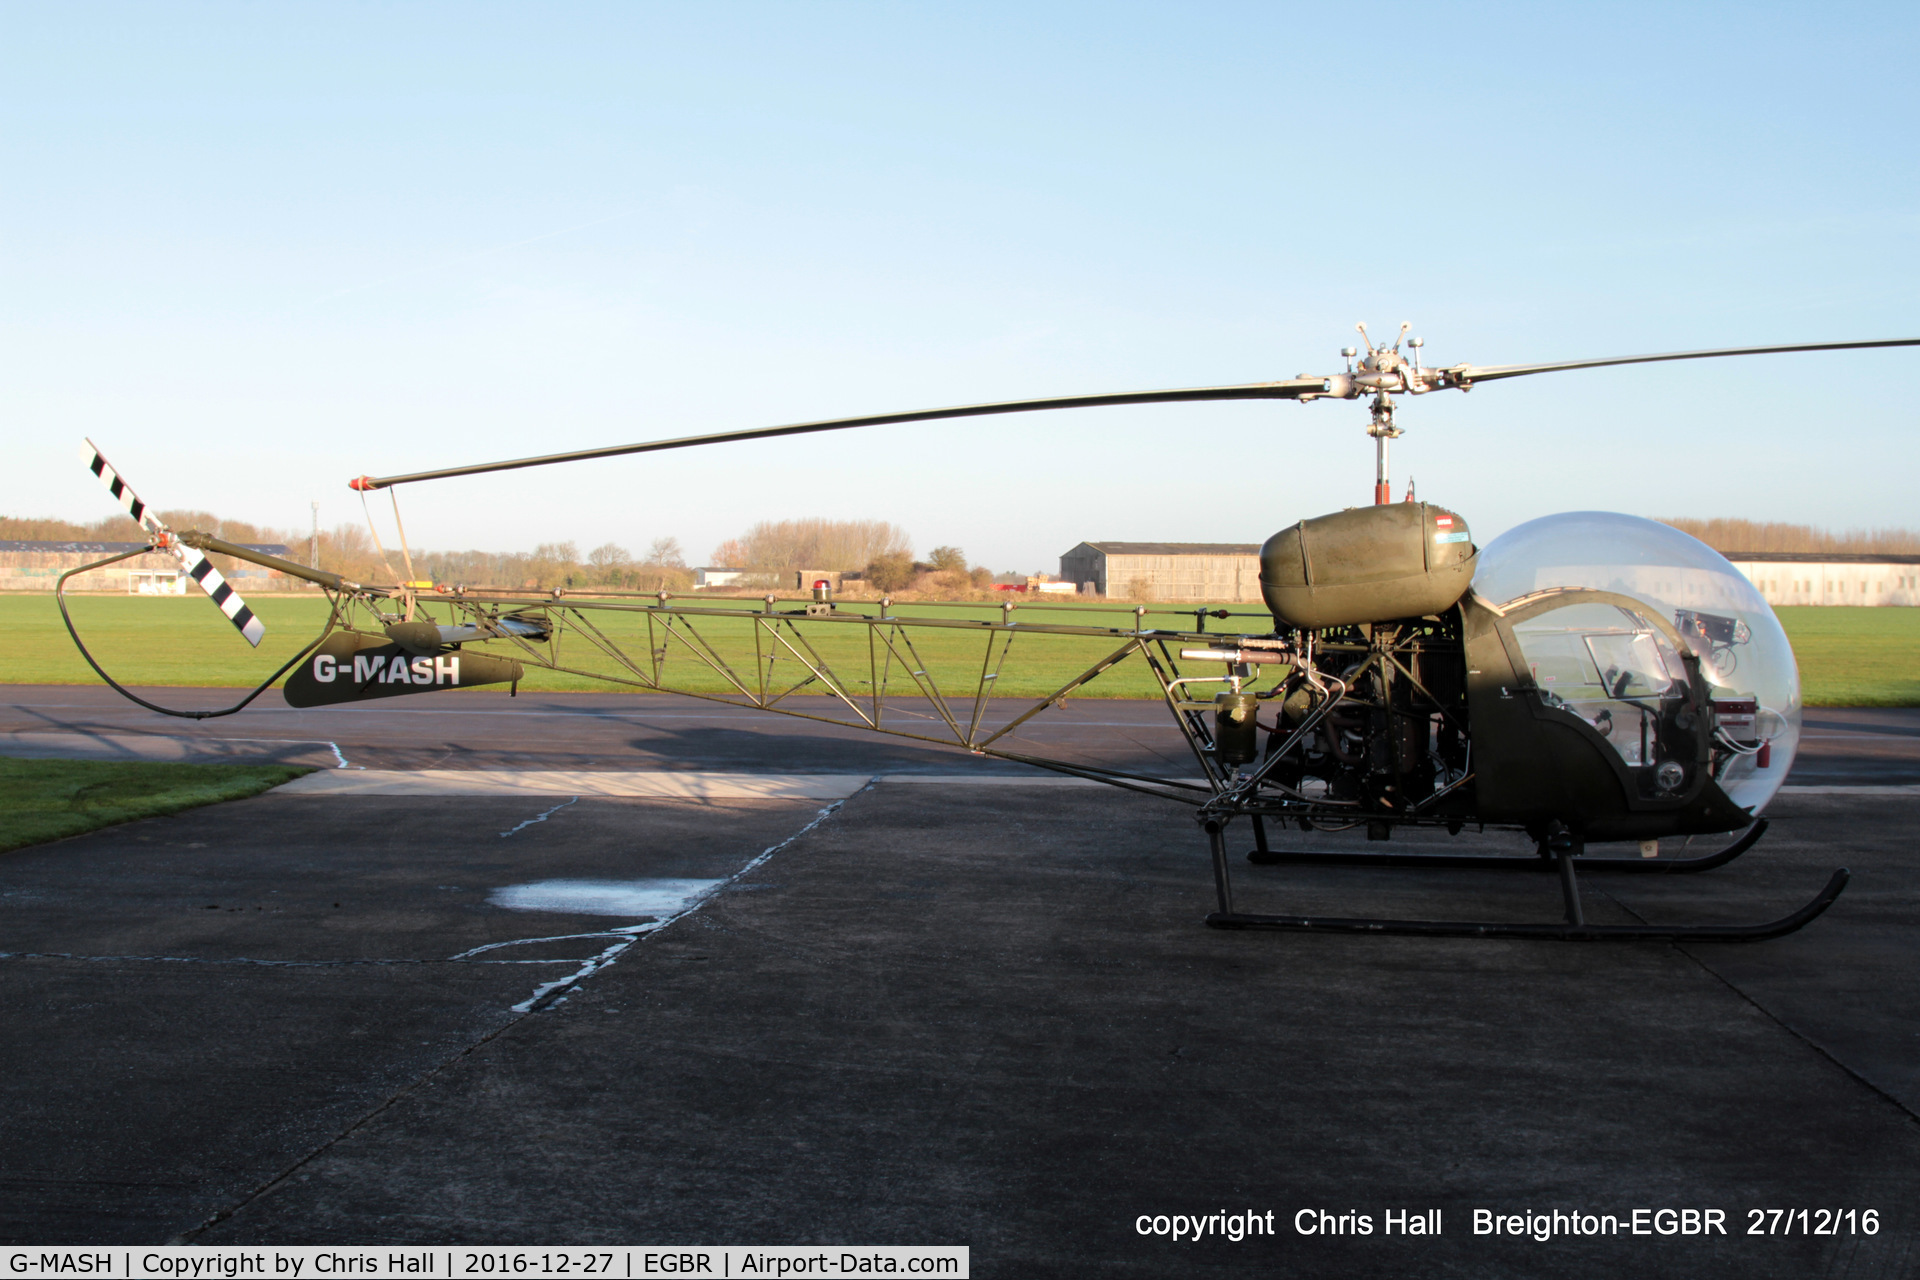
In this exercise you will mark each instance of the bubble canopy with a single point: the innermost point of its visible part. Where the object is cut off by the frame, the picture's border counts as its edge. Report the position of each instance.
(1743, 650)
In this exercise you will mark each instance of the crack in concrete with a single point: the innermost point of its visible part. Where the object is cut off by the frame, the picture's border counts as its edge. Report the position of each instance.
(1778, 1021)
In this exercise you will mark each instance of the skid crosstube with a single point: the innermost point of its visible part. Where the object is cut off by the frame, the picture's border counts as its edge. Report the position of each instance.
(1261, 855)
(1560, 856)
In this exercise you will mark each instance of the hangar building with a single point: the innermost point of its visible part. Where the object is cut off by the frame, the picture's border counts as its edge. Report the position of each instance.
(1228, 572)
(1823, 577)
(36, 566)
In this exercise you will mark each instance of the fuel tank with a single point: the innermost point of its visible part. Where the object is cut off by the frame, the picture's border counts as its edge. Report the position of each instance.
(1367, 564)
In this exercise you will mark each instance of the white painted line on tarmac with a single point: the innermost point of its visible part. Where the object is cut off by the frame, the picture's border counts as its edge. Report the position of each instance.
(660, 785)
(153, 746)
(993, 779)
(576, 782)
(542, 816)
(629, 934)
(732, 786)
(1152, 714)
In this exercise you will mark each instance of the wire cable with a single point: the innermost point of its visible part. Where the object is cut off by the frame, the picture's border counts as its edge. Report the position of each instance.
(60, 598)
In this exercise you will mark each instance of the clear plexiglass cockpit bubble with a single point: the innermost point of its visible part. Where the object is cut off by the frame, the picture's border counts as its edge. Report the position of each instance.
(1604, 663)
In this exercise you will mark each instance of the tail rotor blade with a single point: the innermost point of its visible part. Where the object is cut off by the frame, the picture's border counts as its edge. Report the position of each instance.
(201, 570)
(198, 567)
(120, 489)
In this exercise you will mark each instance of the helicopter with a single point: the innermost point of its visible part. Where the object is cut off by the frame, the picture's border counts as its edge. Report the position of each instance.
(1587, 679)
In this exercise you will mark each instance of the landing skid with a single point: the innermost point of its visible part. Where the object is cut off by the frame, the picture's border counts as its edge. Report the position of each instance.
(1558, 853)
(1262, 856)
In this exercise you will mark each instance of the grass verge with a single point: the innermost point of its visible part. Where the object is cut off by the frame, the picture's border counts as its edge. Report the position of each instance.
(42, 800)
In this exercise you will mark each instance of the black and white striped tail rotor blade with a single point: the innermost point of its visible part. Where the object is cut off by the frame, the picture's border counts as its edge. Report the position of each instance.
(198, 567)
(201, 570)
(120, 489)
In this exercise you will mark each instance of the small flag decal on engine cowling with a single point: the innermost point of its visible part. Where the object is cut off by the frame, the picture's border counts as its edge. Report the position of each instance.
(1443, 522)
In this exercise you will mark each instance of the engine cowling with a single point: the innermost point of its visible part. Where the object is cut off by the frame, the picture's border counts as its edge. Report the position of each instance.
(1367, 564)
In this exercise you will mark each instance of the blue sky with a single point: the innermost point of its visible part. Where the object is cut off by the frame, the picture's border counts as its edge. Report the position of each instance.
(254, 250)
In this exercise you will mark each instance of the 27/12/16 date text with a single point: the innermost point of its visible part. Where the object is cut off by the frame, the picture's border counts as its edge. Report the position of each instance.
(1813, 1222)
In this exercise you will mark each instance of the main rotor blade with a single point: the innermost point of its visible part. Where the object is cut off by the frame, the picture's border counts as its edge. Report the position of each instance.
(1292, 389)
(1475, 373)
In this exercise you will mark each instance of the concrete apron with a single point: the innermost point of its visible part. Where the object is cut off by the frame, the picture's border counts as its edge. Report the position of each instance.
(981, 1015)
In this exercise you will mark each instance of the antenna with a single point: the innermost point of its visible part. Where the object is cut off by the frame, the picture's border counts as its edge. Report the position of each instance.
(1362, 327)
(1404, 326)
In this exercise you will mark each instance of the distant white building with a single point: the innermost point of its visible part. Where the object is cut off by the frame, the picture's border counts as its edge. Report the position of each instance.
(1787, 577)
(717, 577)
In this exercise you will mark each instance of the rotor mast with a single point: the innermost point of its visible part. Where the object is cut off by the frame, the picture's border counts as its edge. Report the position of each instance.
(1382, 370)
(1382, 430)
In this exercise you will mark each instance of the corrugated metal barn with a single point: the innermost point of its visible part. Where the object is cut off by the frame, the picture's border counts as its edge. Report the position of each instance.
(1228, 572)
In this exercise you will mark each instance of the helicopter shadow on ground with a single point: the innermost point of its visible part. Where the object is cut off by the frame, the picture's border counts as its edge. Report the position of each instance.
(719, 747)
(779, 748)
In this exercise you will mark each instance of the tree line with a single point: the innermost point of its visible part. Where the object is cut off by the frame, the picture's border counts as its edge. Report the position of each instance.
(871, 553)
(875, 553)
(349, 550)
(1725, 535)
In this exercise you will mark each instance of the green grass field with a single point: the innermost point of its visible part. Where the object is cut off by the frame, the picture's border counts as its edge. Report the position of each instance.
(51, 799)
(1848, 657)
(182, 641)
(1856, 657)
